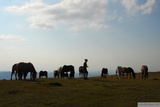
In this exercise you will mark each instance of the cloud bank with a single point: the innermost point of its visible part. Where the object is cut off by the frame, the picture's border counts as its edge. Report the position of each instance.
(77, 14)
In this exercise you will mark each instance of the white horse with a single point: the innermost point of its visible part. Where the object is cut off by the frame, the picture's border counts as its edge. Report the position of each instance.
(119, 71)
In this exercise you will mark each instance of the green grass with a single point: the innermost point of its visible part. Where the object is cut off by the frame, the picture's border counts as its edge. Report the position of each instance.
(95, 92)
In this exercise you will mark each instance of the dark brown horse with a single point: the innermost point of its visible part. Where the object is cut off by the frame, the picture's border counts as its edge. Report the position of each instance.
(144, 70)
(43, 73)
(24, 68)
(128, 70)
(14, 71)
(104, 72)
(66, 69)
(56, 73)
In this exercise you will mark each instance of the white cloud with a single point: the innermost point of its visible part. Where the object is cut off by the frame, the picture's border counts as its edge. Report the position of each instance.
(147, 7)
(130, 6)
(11, 38)
(133, 8)
(78, 14)
(98, 26)
(72, 13)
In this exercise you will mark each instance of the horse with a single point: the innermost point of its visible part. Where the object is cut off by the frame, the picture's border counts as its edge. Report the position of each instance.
(24, 68)
(43, 73)
(81, 71)
(119, 71)
(144, 70)
(104, 72)
(66, 69)
(14, 71)
(56, 73)
(128, 70)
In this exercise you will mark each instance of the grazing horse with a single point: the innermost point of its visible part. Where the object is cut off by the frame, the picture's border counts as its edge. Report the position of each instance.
(43, 73)
(128, 70)
(144, 70)
(66, 69)
(81, 73)
(14, 71)
(104, 72)
(24, 68)
(119, 71)
(56, 73)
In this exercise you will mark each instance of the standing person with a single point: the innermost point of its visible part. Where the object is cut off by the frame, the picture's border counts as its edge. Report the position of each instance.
(85, 69)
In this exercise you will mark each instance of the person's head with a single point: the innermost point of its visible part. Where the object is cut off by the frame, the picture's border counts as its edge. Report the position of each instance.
(86, 60)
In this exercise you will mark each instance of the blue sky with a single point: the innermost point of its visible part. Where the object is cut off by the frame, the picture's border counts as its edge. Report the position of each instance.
(52, 33)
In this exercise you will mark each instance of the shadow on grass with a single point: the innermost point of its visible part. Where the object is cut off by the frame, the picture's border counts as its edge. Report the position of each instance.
(55, 84)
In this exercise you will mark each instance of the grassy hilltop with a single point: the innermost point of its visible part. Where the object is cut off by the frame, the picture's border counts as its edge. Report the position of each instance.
(94, 92)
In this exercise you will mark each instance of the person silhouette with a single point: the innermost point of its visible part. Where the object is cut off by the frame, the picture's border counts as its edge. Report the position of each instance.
(85, 69)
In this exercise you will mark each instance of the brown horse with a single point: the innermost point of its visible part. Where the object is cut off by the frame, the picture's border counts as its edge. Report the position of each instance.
(43, 73)
(144, 70)
(14, 71)
(24, 68)
(104, 72)
(128, 70)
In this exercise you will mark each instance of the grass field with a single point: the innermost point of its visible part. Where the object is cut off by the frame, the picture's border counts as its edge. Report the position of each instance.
(94, 92)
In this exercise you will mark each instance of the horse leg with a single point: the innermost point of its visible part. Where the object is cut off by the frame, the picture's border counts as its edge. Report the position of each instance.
(130, 75)
(11, 75)
(123, 75)
(25, 75)
(126, 75)
(101, 75)
(147, 75)
(120, 74)
(16, 75)
(19, 75)
(31, 75)
(144, 76)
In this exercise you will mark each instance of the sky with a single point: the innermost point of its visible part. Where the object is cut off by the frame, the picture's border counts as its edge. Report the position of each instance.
(53, 33)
